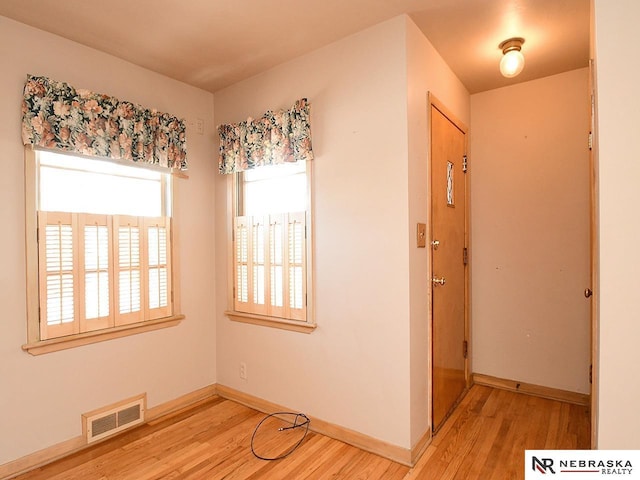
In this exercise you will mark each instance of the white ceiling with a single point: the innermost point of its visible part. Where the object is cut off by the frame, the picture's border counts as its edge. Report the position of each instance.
(213, 43)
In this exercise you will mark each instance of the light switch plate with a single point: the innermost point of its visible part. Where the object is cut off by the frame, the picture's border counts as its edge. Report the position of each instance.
(421, 235)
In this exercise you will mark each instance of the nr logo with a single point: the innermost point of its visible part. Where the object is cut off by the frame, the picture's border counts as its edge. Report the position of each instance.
(542, 465)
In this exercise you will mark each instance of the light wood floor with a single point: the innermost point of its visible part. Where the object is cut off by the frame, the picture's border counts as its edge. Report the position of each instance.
(487, 435)
(484, 439)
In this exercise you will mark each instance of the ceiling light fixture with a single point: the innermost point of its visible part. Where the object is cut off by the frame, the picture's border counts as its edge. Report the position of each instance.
(512, 61)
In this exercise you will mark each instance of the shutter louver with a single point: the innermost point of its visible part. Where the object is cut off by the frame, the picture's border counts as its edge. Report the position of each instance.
(128, 274)
(276, 232)
(242, 262)
(158, 277)
(258, 261)
(129, 256)
(59, 240)
(57, 268)
(297, 277)
(95, 272)
(96, 251)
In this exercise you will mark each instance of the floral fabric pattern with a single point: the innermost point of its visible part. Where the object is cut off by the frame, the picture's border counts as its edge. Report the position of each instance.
(277, 137)
(56, 115)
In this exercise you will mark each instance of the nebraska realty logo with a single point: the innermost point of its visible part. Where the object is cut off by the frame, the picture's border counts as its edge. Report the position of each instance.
(581, 464)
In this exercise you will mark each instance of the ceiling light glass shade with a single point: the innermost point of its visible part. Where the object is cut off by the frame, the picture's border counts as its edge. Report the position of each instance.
(512, 63)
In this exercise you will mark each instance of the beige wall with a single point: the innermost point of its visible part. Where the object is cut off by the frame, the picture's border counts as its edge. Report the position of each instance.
(530, 232)
(426, 72)
(618, 77)
(354, 369)
(43, 397)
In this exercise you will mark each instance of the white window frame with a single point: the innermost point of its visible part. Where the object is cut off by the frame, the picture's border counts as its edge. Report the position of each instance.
(121, 327)
(272, 316)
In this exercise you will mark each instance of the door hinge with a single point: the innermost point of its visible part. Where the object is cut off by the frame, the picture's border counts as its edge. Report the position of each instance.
(465, 349)
(591, 373)
(464, 164)
(465, 256)
(590, 140)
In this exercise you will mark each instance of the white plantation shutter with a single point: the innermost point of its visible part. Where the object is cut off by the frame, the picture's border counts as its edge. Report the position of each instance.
(259, 261)
(101, 271)
(270, 265)
(158, 267)
(95, 272)
(58, 260)
(128, 270)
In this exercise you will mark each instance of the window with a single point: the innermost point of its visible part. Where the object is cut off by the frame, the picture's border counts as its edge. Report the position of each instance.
(271, 243)
(103, 233)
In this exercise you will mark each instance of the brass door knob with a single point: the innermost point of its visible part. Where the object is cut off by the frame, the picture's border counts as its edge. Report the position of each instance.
(588, 292)
(438, 281)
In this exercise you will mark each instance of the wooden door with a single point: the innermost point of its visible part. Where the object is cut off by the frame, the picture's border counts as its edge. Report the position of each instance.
(449, 258)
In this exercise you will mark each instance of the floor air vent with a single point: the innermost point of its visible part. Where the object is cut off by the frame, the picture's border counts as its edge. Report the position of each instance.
(113, 419)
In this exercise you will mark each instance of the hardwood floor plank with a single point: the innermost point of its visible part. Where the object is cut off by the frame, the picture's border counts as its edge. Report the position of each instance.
(473, 465)
(580, 428)
(474, 399)
(335, 467)
(338, 466)
(367, 466)
(313, 444)
(312, 464)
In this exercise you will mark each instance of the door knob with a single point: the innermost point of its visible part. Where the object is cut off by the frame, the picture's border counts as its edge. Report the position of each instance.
(435, 244)
(588, 292)
(438, 281)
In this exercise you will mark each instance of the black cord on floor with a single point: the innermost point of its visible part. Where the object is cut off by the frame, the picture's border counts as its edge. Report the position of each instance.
(304, 423)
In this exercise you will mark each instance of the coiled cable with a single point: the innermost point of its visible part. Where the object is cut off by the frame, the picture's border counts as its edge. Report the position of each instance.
(300, 421)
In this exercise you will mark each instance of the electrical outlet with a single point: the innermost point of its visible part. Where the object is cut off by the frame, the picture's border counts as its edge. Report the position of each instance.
(200, 126)
(243, 370)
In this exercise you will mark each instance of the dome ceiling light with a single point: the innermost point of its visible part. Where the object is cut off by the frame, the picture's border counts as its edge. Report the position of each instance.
(512, 61)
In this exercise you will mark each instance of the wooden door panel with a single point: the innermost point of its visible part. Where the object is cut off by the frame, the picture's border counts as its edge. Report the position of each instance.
(448, 219)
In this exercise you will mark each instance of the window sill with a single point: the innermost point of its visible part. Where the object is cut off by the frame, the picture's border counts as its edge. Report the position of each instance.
(87, 338)
(273, 322)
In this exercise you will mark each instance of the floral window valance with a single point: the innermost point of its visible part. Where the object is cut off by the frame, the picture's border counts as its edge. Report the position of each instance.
(56, 115)
(275, 138)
